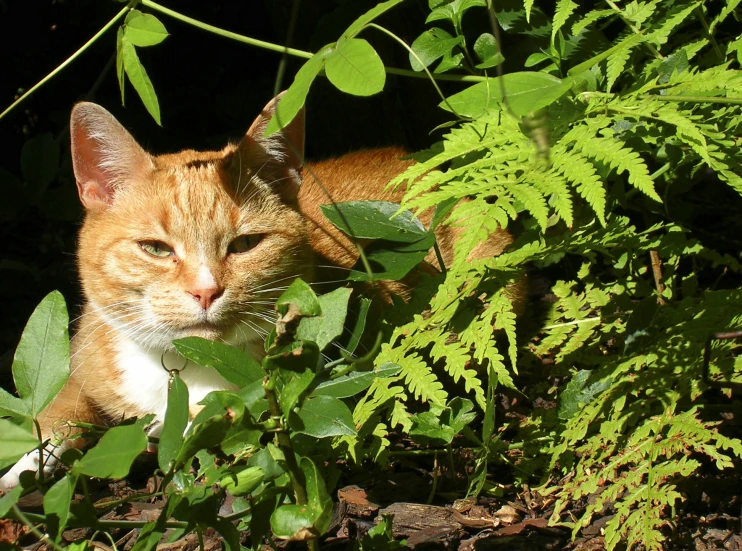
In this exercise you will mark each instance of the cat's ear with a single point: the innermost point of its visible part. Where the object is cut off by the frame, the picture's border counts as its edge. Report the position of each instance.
(285, 146)
(105, 157)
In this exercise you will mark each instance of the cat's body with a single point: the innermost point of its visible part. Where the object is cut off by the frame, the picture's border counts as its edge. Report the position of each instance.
(198, 244)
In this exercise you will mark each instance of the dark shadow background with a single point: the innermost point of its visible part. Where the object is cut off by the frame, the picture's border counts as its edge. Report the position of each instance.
(210, 89)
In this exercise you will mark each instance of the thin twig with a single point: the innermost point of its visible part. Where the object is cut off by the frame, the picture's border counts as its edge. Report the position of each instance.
(657, 272)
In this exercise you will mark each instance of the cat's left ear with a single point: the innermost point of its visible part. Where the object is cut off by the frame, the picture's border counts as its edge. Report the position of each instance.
(284, 148)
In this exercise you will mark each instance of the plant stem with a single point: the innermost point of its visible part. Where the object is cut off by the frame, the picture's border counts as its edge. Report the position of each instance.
(439, 256)
(284, 443)
(291, 51)
(709, 34)
(27, 521)
(70, 59)
(690, 99)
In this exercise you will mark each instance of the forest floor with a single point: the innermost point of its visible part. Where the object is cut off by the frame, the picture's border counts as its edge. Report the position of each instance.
(508, 518)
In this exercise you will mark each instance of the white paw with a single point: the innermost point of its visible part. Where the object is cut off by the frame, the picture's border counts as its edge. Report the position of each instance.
(29, 462)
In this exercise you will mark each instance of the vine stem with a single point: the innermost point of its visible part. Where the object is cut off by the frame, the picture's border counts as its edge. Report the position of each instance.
(70, 59)
(290, 51)
(20, 515)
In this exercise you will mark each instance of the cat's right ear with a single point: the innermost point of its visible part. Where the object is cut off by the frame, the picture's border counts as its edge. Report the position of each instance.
(105, 157)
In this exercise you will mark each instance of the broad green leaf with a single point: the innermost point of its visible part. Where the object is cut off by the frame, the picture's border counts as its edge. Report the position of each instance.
(358, 25)
(57, 505)
(231, 363)
(113, 455)
(301, 295)
(206, 435)
(139, 79)
(120, 71)
(355, 68)
(449, 62)
(241, 481)
(360, 325)
(390, 260)
(14, 442)
(526, 92)
(12, 406)
(375, 220)
(487, 51)
(144, 29)
(297, 356)
(317, 495)
(39, 163)
(289, 395)
(431, 45)
(9, 499)
(323, 329)
(293, 99)
(41, 364)
(176, 420)
(293, 522)
(355, 382)
(454, 11)
(324, 416)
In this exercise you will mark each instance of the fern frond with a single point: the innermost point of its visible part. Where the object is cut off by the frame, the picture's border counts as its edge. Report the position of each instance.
(639, 12)
(581, 173)
(554, 186)
(564, 10)
(617, 155)
(457, 359)
(590, 18)
(671, 21)
(617, 60)
(725, 12)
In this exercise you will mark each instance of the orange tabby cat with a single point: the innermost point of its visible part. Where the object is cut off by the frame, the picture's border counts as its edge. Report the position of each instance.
(196, 244)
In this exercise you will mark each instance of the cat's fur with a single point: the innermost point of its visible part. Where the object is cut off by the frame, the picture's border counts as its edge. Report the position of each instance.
(198, 203)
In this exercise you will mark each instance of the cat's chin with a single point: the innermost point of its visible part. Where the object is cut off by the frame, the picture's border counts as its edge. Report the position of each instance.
(205, 331)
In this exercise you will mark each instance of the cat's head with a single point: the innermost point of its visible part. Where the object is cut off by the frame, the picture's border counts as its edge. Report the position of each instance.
(192, 243)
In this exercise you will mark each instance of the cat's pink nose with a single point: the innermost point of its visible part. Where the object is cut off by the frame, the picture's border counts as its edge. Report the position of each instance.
(206, 297)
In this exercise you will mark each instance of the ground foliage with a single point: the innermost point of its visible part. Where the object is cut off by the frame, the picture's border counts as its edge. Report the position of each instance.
(626, 112)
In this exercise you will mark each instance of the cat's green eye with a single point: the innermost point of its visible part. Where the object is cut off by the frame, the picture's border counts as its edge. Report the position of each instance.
(157, 248)
(244, 243)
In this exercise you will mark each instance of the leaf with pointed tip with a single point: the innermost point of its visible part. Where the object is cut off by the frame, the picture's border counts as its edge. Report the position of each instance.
(115, 452)
(144, 29)
(139, 79)
(354, 67)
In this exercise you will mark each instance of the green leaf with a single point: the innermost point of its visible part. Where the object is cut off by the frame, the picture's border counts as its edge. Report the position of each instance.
(317, 495)
(113, 455)
(579, 392)
(375, 220)
(41, 364)
(293, 522)
(39, 163)
(324, 416)
(293, 99)
(390, 260)
(176, 421)
(526, 92)
(355, 68)
(242, 480)
(139, 79)
(144, 29)
(453, 11)
(57, 505)
(564, 10)
(487, 51)
(431, 45)
(301, 295)
(14, 442)
(120, 71)
(291, 393)
(231, 363)
(355, 382)
(358, 25)
(12, 406)
(10, 498)
(360, 325)
(323, 329)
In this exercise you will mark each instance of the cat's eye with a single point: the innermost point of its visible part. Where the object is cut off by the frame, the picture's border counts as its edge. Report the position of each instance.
(156, 248)
(244, 243)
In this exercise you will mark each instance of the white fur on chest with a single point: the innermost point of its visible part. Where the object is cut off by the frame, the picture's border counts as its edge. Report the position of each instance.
(144, 382)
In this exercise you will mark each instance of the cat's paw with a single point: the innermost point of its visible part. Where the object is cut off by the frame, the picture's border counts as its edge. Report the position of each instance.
(11, 479)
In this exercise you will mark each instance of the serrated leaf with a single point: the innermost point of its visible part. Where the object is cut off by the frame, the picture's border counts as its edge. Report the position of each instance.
(144, 29)
(354, 67)
(430, 46)
(113, 455)
(139, 79)
(41, 364)
(231, 363)
(562, 13)
(323, 417)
